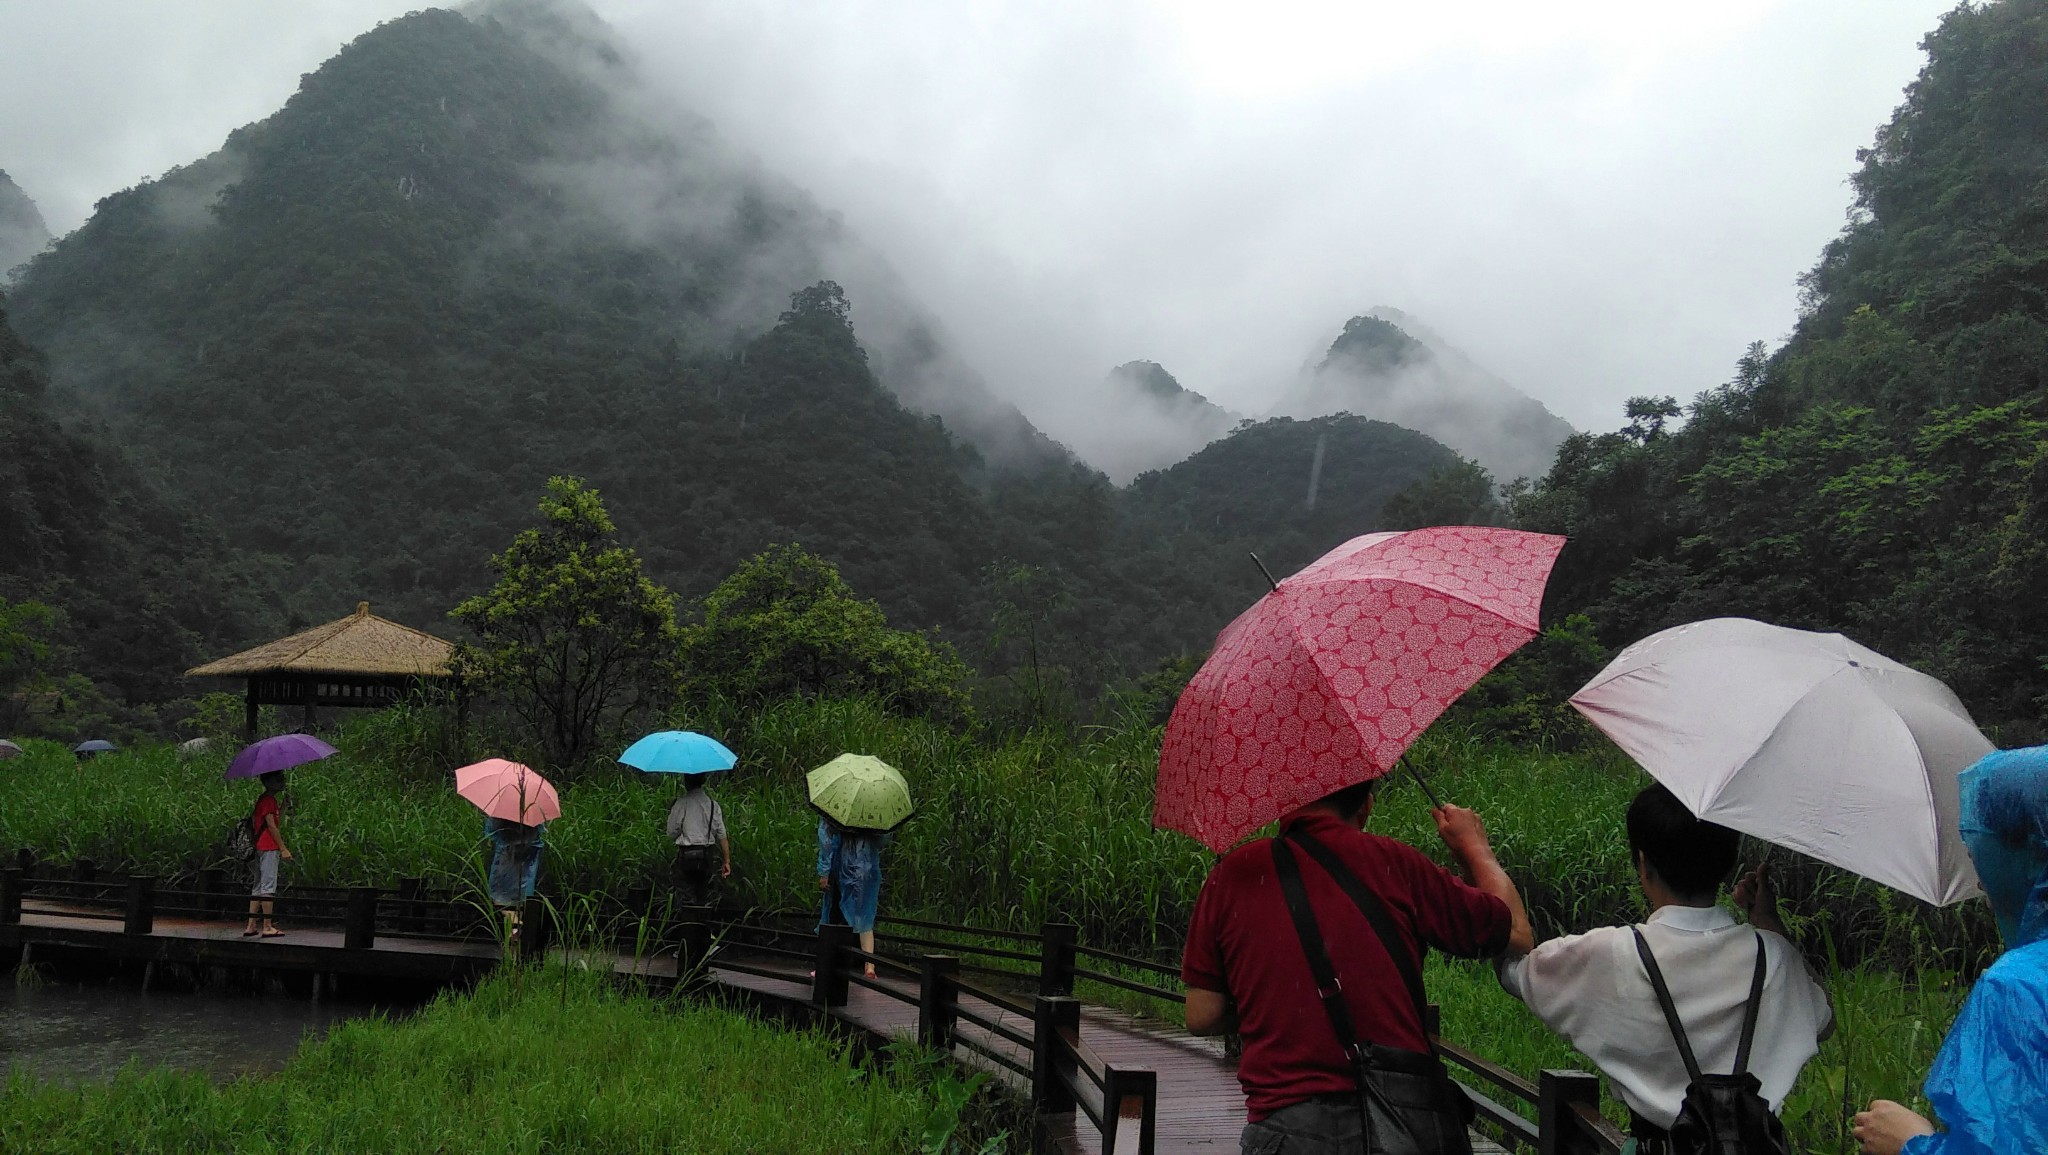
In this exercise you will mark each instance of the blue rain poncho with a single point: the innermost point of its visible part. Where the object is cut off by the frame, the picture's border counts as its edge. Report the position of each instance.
(853, 860)
(1989, 1084)
(515, 860)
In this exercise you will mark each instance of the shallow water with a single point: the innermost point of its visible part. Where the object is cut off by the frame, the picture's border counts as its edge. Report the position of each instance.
(71, 1033)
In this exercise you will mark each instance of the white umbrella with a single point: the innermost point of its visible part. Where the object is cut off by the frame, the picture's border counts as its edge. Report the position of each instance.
(1806, 740)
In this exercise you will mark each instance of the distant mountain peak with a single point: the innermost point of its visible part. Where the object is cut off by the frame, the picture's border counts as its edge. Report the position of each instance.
(1375, 343)
(22, 231)
(1146, 419)
(1386, 365)
(1151, 377)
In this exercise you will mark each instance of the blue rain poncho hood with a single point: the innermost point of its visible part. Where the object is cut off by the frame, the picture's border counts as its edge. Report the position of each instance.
(1989, 1084)
(2005, 824)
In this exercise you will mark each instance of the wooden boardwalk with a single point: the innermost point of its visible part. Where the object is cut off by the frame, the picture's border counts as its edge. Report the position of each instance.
(1200, 1106)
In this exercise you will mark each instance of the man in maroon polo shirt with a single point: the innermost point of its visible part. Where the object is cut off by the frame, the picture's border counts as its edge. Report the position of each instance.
(1246, 969)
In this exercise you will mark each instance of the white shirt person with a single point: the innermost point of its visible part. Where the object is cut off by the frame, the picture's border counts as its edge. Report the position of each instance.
(1593, 989)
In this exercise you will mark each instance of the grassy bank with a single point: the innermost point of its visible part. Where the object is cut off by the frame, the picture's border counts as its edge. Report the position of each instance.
(529, 1062)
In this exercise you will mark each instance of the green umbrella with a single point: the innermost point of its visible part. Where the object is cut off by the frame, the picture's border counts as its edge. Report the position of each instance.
(861, 793)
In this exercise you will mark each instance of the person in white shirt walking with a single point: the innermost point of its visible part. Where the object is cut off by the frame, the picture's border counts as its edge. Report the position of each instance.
(696, 823)
(1594, 989)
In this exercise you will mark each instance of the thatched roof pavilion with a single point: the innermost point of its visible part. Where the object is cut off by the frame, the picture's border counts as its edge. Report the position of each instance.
(361, 660)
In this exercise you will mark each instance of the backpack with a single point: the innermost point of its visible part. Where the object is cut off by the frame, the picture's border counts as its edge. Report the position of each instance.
(241, 840)
(1722, 1114)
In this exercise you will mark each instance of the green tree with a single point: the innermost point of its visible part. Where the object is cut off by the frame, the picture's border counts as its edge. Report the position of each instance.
(573, 635)
(786, 623)
(25, 630)
(1461, 493)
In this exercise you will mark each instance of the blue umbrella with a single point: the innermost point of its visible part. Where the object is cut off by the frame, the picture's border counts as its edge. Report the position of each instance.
(280, 753)
(94, 746)
(678, 752)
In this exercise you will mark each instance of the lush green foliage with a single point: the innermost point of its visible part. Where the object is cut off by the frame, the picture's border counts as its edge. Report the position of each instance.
(1882, 473)
(529, 1062)
(572, 636)
(786, 623)
(1461, 493)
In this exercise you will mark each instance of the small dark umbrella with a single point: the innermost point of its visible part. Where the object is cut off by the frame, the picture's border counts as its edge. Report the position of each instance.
(9, 749)
(93, 748)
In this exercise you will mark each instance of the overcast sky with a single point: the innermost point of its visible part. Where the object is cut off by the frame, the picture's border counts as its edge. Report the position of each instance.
(1592, 199)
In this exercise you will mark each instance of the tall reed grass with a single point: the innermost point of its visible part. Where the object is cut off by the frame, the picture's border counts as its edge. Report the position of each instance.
(1009, 832)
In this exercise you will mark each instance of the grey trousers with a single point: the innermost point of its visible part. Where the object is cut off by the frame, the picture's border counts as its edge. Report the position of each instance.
(1305, 1129)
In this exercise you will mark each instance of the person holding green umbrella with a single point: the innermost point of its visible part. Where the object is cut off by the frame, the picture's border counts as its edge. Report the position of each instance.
(860, 802)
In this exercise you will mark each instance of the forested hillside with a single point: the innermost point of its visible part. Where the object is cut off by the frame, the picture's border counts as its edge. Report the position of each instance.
(22, 232)
(366, 330)
(1885, 472)
(357, 340)
(98, 572)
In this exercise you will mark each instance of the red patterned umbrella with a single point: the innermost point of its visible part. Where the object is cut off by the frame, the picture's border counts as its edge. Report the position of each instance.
(1327, 680)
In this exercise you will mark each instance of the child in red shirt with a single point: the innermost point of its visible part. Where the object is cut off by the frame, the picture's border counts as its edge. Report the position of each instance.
(270, 848)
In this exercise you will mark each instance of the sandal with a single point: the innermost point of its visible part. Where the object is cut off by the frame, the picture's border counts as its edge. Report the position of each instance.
(273, 932)
(248, 934)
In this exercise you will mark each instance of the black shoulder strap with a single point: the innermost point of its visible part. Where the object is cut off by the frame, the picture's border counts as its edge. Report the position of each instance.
(1749, 1012)
(1376, 916)
(1750, 1008)
(1328, 989)
(1692, 1065)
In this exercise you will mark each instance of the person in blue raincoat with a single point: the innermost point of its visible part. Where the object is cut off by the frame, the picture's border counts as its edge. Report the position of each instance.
(850, 875)
(1989, 1084)
(515, 866)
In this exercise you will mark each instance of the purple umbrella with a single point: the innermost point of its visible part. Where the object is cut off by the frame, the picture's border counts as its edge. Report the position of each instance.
(279, 753)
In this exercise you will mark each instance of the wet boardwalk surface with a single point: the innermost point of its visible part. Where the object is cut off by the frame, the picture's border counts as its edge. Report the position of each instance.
(1200, 1107)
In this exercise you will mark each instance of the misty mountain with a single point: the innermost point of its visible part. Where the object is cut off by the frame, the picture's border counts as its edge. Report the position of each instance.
(365, 331)
(22, 231)
(1143, 419)
(1386, 366)
(338, 358)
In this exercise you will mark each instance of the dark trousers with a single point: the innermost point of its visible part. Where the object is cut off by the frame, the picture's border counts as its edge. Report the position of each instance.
(694, 872)
(1316, 1127)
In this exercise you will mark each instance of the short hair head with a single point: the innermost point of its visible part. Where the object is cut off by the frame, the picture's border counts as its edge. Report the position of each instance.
(1692, 857)
(273, 781)
(1351, 799)
(694, 781)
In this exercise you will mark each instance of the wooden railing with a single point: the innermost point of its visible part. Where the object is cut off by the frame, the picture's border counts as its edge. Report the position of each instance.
(954, 975)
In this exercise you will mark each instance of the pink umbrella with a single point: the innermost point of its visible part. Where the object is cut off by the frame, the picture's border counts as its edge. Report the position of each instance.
(509, 791)
(1327, 680)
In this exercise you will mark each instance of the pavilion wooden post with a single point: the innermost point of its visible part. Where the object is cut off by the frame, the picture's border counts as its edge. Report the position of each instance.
(249, 712)
(312, 692)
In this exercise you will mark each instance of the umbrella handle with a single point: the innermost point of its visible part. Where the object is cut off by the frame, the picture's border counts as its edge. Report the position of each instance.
(1265, 571)
(1435, 803)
